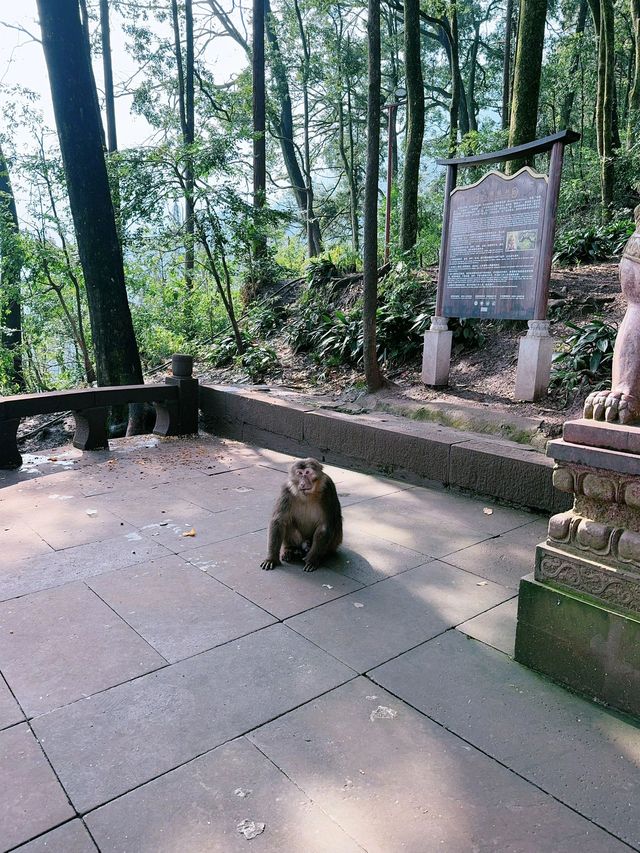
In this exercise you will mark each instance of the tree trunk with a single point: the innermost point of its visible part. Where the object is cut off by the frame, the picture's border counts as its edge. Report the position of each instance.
(415, 125)
(10, 266)
(259, 110)
(567, 104)
(187, 127)
(506, 65)
(284, 130)
(633, 120)
(370, 236)
(306, 63)
(79, 132)
(526, 83)
(105, 32)
(607, 29)
(603, 18)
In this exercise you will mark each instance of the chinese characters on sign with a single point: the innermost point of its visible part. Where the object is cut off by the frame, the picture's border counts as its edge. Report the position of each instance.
(494, 247)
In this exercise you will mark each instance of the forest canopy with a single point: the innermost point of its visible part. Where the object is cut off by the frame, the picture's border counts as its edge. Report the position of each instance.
(259, 122)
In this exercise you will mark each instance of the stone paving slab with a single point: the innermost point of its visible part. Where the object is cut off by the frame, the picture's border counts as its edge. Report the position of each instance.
(368, 558)
(410, 527)
(496, 627)
(144, 507)
(71, 837)
(242, 487)
(76, 522)
(18, 541)
(582, 754)
(195, 809)
(211, 527)
(107, 744)
(395, 781)
(50, 570)
(283, 592)
(506, 558)
(177, 608)
(375, 624)
(32, 800)
(59, 645)
(10, 712)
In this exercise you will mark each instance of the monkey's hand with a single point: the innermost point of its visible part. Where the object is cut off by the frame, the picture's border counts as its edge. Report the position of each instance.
(269, 564)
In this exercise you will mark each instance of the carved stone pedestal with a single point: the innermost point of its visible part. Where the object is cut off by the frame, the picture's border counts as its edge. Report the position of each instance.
(579, 614)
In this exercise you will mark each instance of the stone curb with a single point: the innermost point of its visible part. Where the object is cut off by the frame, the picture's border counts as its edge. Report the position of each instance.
(417, 452)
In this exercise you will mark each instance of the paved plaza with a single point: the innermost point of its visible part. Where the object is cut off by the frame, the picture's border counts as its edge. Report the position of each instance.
(162, 694)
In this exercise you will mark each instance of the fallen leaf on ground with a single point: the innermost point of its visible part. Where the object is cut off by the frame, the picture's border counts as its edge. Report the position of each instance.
(191, 532)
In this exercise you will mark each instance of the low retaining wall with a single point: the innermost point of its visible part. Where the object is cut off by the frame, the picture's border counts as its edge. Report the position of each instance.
(418, 452)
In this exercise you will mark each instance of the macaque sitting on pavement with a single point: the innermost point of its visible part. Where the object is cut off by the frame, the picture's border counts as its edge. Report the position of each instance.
(307, 519)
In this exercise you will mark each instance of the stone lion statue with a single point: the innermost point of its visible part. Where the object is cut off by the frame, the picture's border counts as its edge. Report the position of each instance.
(621, 404)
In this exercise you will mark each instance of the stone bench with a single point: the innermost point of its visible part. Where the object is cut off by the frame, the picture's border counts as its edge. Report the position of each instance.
(175, 402)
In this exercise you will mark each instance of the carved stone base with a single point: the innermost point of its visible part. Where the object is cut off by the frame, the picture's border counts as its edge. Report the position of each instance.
(579, 617)
(585, 646)
(612, 587)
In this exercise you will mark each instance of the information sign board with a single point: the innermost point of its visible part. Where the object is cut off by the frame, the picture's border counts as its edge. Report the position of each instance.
(494, 247)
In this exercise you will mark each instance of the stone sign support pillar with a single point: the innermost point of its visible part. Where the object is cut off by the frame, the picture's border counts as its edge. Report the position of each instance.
(534, 362)
(436, 354)
(536, 348)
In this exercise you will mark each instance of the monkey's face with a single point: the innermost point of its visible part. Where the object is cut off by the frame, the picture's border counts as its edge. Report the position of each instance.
(305, 476)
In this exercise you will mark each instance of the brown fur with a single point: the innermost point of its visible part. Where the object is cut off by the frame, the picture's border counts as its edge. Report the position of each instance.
(307, 519)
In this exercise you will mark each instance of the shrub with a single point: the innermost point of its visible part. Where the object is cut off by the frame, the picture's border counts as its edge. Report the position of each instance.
(586, 358)
(596, 243)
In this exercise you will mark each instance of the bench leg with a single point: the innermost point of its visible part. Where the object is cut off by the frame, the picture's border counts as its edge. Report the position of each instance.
(91, 429)
(10, 457)
(167, 418)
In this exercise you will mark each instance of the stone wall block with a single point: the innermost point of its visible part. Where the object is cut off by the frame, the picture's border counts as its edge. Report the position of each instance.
(629, 547)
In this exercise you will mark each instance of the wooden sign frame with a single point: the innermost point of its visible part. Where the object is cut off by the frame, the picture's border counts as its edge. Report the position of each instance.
(556, 144)
(536, 348)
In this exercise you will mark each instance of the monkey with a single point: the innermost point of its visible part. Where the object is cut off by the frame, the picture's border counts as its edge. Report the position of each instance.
(307, 518)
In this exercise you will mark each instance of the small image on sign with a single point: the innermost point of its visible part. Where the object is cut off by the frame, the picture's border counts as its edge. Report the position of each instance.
(520, 241)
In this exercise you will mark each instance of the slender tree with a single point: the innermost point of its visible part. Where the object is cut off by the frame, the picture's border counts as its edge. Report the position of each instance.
(415, 125)
(574, 65)
(370, 226)
(259, 119)
(79, 132)
(633, 121)
(105, 37)
(602, 12)
(10, 265)
(185, 68)
(506, 65)
(527, 75)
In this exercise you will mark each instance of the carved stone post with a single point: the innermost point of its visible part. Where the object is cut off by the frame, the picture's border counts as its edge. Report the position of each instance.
(9, 454)
(179, 417)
